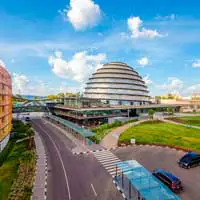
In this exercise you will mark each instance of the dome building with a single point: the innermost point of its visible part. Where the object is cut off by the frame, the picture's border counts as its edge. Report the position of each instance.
(117, 84)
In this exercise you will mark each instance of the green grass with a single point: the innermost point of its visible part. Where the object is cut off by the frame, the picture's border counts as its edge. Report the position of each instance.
(12, 158)
(101, 131)
(8, 171)
(191, 120)
(157, 132)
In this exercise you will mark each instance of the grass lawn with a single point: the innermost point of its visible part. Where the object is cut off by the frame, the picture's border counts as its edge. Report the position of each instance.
(157, 132)
(191, 120)
(101, 131)
(17, 164)
(8, 171)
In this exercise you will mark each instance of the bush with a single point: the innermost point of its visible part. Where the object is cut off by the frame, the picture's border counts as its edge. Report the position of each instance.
(4, 154)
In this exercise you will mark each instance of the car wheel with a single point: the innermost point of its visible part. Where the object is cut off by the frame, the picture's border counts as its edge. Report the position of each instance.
(188, 167)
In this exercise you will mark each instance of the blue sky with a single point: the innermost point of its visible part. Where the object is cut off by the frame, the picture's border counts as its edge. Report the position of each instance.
(54, 46)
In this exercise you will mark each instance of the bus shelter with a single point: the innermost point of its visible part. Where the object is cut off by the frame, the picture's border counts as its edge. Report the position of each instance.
(137, 183)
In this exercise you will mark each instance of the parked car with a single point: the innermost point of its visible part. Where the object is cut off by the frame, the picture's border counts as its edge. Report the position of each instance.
(27, 119)
(169, 180)
(189, 160)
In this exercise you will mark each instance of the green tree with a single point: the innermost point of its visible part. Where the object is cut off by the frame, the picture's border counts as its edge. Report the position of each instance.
(170, 111)
(61, 95)
(30, 134)
(51, 96)
(151, 114)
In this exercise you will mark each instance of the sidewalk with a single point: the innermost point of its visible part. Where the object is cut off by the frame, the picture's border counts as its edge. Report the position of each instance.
(176, 123)
(39, 190)
(79, 146)
(111, 140)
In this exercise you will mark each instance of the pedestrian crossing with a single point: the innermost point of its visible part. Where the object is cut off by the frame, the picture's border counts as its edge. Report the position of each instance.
(108, 160)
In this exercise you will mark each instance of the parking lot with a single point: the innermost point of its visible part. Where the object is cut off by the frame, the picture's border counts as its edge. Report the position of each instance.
(152, 157)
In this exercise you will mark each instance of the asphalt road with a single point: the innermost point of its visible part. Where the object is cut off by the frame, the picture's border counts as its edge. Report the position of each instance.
(157, 157)
(73, 177)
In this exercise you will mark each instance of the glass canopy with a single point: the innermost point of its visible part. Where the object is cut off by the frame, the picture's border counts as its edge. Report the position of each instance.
(84, 132)
(149, 187)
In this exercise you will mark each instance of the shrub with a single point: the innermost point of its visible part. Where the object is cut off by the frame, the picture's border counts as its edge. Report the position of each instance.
(4, 154)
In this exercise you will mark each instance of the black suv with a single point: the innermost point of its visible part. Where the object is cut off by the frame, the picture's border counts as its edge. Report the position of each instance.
(169, 180)
(189, 160)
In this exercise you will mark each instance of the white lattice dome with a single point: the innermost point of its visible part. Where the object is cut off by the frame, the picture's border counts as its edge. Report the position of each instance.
(117, 81)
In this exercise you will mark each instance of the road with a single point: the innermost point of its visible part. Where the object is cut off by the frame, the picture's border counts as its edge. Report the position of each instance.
(73, 177)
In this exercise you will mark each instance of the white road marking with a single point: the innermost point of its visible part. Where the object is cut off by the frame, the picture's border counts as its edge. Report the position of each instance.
(107, 159)
(59, 155)
(93, 190)
(111, 163)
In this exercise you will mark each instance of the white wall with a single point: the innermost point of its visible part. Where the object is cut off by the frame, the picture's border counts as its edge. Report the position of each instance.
(4, 142)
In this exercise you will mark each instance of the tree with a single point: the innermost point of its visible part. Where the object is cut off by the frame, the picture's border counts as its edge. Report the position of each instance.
(170, 111)
(151, 114)
(30, 134)
(61, 95)
(52, 96)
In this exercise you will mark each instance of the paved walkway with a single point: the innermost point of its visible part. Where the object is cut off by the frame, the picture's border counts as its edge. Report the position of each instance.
(80, 147)
(186, 125)
(111, 140)
(39, 190)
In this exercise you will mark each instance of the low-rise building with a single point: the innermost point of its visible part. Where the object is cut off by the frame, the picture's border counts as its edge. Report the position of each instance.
(5, 107)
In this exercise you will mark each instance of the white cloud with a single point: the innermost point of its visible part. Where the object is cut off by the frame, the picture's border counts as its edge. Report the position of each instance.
(143, 61)
(82, 14)
(194, 88)
(173, 85)
(135, 25)
(196, 64)
(19, 82)
(147, 80)
(33, 86)
(168, 17)
(2, 64)
(79, 68)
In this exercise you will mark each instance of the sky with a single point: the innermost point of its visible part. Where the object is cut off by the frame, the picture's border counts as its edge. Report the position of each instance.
(54, 46)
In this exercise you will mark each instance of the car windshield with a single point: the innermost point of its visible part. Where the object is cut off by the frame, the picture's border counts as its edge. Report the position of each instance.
(185, 159)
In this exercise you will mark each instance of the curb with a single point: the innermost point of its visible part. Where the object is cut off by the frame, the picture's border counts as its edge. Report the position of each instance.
(121, 147)
(98, 150)
(44, 195)
(119, 189)
(46, 174)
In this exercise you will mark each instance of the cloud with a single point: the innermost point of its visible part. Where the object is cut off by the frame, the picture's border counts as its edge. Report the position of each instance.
(33, 86)
(2, 64)
(194, 88)
(135, 25)
(196, 64)
(147, 80)
(82, 14)
(173, 85)
(79, 68)
(167, 17)
(143, 61)
(19, 82)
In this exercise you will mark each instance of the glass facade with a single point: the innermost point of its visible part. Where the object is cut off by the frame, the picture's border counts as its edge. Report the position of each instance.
(5, 104)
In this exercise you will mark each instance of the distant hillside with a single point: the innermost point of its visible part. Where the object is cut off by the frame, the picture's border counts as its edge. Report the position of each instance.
(32, 97)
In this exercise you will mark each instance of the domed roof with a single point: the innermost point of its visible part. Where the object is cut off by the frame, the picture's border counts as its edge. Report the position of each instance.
(116, 81)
